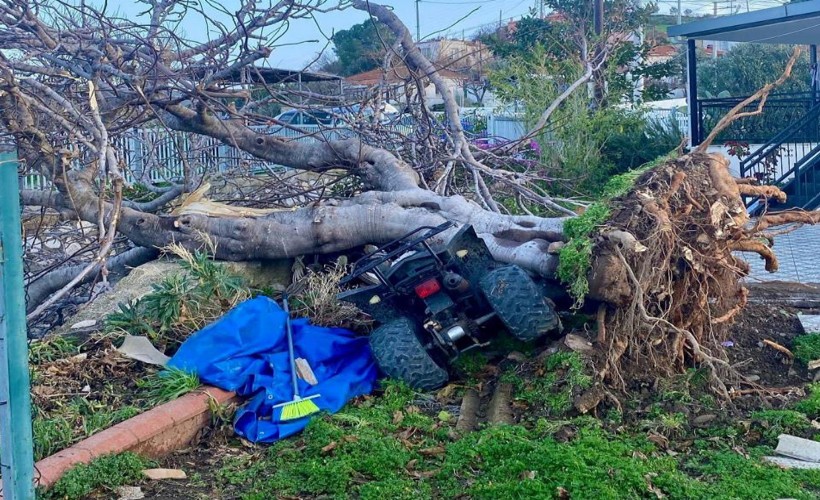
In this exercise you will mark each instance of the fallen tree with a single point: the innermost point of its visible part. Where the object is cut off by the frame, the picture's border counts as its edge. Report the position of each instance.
(662, 260)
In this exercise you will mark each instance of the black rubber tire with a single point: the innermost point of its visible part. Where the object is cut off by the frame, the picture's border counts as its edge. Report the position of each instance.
(519, 303)
(400, 354)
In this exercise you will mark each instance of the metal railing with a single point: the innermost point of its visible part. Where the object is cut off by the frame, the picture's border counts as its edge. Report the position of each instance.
(155, 155)
(778, 157)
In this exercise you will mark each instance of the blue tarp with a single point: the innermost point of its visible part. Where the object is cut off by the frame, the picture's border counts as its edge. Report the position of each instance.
(246, 351)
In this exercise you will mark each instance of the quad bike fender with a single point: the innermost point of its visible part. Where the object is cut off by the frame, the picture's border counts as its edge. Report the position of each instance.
(471, 253)
(370, 300)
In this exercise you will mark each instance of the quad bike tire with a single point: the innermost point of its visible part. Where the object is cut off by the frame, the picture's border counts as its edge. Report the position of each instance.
(519, 303)
(400, 354)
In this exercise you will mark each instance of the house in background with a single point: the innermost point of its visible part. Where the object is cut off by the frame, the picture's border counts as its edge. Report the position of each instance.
(456, 55)
(399, 86)
(462, 64)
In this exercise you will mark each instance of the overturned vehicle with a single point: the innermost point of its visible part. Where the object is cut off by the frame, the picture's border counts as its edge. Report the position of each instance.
(433, 304)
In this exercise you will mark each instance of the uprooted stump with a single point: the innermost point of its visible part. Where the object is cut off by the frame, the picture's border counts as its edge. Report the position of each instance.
(664, 270)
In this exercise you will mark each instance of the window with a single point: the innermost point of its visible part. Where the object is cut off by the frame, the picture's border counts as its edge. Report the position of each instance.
(287, 117)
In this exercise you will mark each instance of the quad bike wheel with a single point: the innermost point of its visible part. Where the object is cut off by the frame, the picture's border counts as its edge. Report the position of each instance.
(400, 354)
(519, 303)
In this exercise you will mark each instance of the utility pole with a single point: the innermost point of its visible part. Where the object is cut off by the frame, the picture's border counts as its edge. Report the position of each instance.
(599, 17)
(679, 14)
(714, 42)
(597, 80)
(418, 22)
(16, 460)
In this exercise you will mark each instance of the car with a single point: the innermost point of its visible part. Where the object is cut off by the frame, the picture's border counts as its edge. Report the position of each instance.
(432, 304)
(306, 117)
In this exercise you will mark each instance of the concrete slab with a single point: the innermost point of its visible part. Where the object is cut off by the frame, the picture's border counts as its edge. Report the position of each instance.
(791, 463)
(799, 448)
(810, 322)
(797, 253)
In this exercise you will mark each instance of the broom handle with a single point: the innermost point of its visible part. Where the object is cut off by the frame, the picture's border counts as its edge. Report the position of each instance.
(291, 353)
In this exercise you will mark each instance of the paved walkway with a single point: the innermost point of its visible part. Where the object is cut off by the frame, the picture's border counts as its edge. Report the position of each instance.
(798, 253)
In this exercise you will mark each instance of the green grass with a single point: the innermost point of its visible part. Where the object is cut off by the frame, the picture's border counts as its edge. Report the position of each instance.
(70, 423)
(366, 452)
(104, 473)
(553, 392)
(168, 385)
(776, 422)
(52, 349)
(807, 347)
(810, 406)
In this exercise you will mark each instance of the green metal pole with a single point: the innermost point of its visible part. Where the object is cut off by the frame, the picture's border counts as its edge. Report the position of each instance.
(16, 446)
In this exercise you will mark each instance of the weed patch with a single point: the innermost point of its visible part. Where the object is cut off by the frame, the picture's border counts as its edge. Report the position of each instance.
(807, 347)
(181, 303)
(776, 422)
(105, 473)
(168, 385)
(811, 404)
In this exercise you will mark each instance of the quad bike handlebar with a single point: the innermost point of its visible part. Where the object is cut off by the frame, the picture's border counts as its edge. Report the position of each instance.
(396, 247)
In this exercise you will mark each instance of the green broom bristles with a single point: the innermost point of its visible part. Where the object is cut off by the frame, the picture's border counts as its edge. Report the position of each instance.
(299, 408)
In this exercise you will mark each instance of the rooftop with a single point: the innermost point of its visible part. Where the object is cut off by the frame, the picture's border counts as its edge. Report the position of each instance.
(794, 23)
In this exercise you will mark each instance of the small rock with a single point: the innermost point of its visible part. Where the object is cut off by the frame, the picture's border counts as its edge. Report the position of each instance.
(52, 243)
(157, 474)
(73, 248)
(578, 344)
(85, 225)
(84, 324)
(753, 378)
(86, 388)
(813, 365)
(516, 356)
(129, 493)
(555, 247)
(701, 420)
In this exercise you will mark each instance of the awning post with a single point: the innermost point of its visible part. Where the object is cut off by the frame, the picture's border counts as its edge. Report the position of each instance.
(692, 92)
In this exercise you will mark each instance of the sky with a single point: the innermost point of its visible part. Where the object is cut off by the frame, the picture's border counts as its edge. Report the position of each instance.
(454, 18)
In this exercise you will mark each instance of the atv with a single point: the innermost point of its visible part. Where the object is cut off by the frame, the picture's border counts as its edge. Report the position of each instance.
(433, 304)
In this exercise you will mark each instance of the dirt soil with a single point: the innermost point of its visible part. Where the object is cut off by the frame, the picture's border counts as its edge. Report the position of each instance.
(85, 390)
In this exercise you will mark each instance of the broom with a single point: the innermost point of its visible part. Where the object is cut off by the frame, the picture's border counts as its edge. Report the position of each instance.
(299, 407)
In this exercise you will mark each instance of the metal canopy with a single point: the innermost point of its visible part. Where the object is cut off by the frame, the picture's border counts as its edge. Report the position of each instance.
(796, 23)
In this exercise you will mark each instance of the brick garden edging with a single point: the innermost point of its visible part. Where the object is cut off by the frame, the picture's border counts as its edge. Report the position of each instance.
(153, 434)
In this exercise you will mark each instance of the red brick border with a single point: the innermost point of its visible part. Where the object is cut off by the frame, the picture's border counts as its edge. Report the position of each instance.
(153, 434)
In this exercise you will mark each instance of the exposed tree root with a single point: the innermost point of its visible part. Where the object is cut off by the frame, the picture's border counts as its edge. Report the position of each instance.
(671, 288)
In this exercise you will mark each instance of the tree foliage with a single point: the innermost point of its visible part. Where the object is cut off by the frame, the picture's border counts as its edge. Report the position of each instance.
(362, 46)
(747, 67)
(557, 39)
